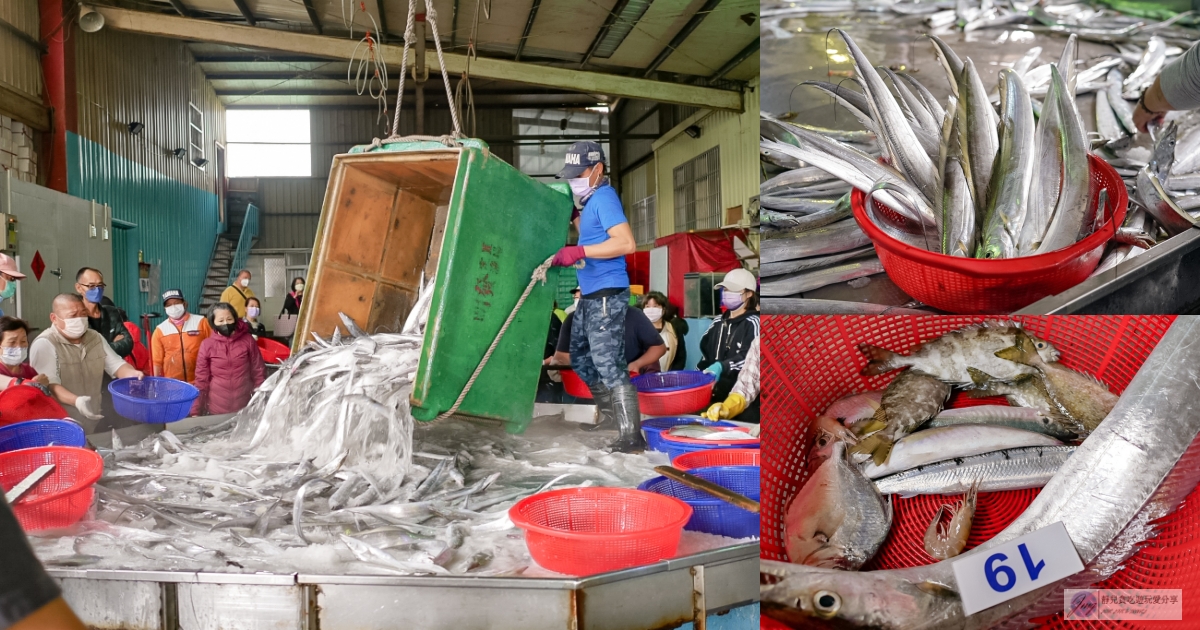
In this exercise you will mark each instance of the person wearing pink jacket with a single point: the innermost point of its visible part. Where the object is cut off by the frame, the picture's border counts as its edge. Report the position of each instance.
(229, 367)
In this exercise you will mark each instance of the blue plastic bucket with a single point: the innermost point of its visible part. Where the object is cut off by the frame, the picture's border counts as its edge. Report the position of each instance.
(710, 514)
(153, 400)
(35, 433)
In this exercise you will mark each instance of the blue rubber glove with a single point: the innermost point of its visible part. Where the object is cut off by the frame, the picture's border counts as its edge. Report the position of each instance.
(715, 369)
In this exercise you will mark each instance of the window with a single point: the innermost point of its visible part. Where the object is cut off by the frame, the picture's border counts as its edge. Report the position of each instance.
(280, 271)
(196, 136)
(268, 143)
(643, 220)
(698, 192)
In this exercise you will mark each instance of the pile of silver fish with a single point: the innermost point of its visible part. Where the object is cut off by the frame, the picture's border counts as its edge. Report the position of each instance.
(1135, 468)
(958, 179)
(902, 441)
(325, 471)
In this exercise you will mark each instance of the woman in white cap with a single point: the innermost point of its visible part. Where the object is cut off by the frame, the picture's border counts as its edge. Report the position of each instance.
(726, 344)
(8, 278)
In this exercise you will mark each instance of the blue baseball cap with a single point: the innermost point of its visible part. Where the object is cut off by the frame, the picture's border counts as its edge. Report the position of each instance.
(172, 294)
(580, 157)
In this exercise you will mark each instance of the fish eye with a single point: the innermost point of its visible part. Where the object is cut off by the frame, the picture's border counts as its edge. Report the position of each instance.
(826, 604)
(822, 441)
(1041, 344)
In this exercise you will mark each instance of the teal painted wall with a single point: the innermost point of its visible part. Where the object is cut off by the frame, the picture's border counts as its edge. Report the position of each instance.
(176, 223)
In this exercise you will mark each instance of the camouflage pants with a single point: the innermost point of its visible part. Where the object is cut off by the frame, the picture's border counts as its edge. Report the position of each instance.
(598, 340)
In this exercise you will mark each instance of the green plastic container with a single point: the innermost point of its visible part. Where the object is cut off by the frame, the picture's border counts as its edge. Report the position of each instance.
(472, 222)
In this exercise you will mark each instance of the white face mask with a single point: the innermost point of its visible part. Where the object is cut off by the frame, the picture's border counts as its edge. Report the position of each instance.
(580, 186)
(176, 311)
(14, 356)
(245, 282)
(74, 327)
(654, 313)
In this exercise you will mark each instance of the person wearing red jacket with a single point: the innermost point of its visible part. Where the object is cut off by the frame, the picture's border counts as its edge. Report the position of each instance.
(229, 367)
(140, 357)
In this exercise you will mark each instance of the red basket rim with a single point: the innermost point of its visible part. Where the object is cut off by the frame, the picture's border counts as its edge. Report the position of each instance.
(514, 514)
(687, 440)
(1000, 267)
(724, 452)
(81, 483)
(679, 392)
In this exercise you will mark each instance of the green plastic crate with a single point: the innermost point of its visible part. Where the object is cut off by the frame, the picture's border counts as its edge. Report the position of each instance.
(472, 222)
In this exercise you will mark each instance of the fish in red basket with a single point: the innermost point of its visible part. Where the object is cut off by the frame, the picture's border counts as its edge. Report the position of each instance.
(1082, 396)
(838, 519)
(948, 357)
(909, 401)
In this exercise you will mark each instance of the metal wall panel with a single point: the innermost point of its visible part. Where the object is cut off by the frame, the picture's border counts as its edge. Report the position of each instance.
(20, 62)
(123, 78)
(737, 135)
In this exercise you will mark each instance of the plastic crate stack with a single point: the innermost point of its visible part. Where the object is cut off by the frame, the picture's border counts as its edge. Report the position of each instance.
(17, 153)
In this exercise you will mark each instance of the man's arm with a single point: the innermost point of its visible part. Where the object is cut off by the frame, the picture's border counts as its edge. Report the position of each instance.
(116, 366)
(620, 243)
(650, 357)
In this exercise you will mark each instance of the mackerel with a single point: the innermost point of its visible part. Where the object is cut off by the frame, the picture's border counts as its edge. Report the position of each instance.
(1008, 194)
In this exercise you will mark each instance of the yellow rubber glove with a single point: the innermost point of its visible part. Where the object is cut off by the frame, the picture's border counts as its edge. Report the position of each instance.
(734, 405)
(713, 412)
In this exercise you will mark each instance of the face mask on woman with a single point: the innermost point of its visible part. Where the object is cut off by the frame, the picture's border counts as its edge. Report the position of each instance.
(252, 311)
(226, 329)
(732, 301)
(298, 288)
(9, 290)
(653, 313)
(13, 356)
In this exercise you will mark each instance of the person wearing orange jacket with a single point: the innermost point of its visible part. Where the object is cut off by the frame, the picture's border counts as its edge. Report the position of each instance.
(176, 342)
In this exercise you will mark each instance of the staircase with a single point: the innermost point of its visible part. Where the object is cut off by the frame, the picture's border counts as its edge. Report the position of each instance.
(231, 249)
(219, 268)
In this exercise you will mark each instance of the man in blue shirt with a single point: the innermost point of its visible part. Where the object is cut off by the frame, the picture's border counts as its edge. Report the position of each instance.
(598, 332)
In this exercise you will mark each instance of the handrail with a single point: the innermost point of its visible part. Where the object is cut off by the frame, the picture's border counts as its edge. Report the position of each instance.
(249, 233)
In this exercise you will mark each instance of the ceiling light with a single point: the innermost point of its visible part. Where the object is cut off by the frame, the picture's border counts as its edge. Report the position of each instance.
(180, 153)
(693, 131)
(136, 127)
(201, 162)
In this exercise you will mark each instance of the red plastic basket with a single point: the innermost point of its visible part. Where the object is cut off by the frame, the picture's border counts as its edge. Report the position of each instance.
(64, 496)
(272, 351)
(720, 457)
(972, 285)
(574, 386)
(584, 531)
(18, 404)
(812, 361)
(675, 403)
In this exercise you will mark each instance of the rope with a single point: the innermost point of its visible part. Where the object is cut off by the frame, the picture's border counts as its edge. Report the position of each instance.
(539, 275)
(431, 17)
(408, 37)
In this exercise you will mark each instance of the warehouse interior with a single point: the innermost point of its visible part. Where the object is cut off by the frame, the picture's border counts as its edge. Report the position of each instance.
(125, 105)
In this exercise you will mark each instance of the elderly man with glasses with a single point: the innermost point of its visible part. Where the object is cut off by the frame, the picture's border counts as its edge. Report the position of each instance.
(103, 317)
